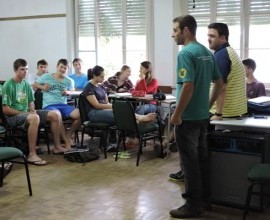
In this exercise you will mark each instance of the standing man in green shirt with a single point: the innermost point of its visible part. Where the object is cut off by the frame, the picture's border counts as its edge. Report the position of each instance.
(196, 68)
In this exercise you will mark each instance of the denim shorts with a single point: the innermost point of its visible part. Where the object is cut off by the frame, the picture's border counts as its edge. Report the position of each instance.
(20, 120)
(65, 109)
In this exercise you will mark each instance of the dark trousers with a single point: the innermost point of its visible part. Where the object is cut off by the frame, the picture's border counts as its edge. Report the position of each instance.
(191, 139)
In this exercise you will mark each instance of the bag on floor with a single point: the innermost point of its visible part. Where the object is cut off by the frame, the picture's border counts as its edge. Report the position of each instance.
(81, 156)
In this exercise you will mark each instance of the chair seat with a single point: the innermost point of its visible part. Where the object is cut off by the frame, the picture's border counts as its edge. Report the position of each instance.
(147, 127)
(7, 153)
(96, 124)
(259, 172)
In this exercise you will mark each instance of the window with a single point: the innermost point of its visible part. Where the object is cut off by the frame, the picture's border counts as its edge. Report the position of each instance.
(248, 22)
(259, 44)
(112, 33)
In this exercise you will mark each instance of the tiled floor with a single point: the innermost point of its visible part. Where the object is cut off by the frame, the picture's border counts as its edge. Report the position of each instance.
(100, 190)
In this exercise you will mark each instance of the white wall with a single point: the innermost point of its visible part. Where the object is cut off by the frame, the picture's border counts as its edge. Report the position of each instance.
(32, 38)
(163, 42)
(165, 49)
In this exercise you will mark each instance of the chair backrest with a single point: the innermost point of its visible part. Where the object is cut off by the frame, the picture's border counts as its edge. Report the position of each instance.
(3, 119)
(165, 89)
(124, 116)
(83, 112)
(38, 99)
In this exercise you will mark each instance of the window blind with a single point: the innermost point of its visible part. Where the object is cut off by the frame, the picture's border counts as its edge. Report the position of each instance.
(86, 17)
(136, 17)
(259, 12)
(228, 7)
(201, 11)
(110, 17)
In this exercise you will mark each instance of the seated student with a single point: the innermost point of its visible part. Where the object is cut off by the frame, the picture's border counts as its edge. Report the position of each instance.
(42, 67)
(79, 78)
(55, 87)
(99, 109)
(18, 106)
(254, 88)
(119, 82)
(149, 85)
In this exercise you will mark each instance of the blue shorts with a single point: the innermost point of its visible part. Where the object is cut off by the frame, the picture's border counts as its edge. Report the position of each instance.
(65, 109)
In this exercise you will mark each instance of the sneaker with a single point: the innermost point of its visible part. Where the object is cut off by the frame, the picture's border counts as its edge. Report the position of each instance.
(111, 147)
(187, 211)
(179, 176)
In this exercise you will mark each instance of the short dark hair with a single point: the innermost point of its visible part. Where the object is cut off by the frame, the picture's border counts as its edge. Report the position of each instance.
(76, 60)
(221, 28)
(250, 63)
(186, 21)
(95, 71)
(42, 62)
(19, 62)
(63, 61)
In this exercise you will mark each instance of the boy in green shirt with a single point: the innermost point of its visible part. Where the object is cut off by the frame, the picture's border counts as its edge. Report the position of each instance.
(18, 106)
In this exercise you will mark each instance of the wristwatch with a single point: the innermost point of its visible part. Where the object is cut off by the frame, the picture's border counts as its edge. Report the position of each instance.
(218, 114)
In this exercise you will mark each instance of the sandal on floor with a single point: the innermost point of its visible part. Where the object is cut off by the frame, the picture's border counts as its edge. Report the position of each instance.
(122, 156)
(124, 153)
(38, 162)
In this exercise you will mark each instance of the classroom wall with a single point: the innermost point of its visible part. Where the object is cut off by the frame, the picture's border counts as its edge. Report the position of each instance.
(34, 30)
(163, 42)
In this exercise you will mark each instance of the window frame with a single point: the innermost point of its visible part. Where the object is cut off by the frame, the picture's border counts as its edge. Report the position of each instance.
(125, 51)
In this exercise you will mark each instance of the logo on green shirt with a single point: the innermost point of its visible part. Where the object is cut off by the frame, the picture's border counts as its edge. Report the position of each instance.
(182, 73)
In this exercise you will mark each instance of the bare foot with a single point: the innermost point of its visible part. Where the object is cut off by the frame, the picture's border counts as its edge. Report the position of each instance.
(59, 149)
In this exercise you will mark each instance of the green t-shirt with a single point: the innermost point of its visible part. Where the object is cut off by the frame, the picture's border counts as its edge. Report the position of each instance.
(196, 64)
(17, 95)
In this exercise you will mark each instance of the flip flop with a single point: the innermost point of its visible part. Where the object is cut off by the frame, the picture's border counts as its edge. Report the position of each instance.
(38, 162)
(124, 153)
(122, 156)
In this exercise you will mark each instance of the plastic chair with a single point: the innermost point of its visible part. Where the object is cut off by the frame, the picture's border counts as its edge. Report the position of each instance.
(9, 154)
(92, 128)
(259, 174)
(3, 135)
(125, 121)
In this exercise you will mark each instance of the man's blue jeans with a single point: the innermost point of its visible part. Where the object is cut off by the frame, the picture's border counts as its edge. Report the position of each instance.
(191, 139)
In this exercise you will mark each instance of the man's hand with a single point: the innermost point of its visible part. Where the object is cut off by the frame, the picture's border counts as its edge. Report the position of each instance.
(176, 120)
(215, 117)
(64, 93)
(46, 87)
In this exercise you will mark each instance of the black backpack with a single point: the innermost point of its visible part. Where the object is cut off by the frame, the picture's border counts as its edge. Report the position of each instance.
(81, 156)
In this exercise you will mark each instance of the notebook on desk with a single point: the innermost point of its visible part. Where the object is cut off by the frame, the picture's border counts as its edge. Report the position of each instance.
(123, 94)
(260, 100)
(168, 96)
